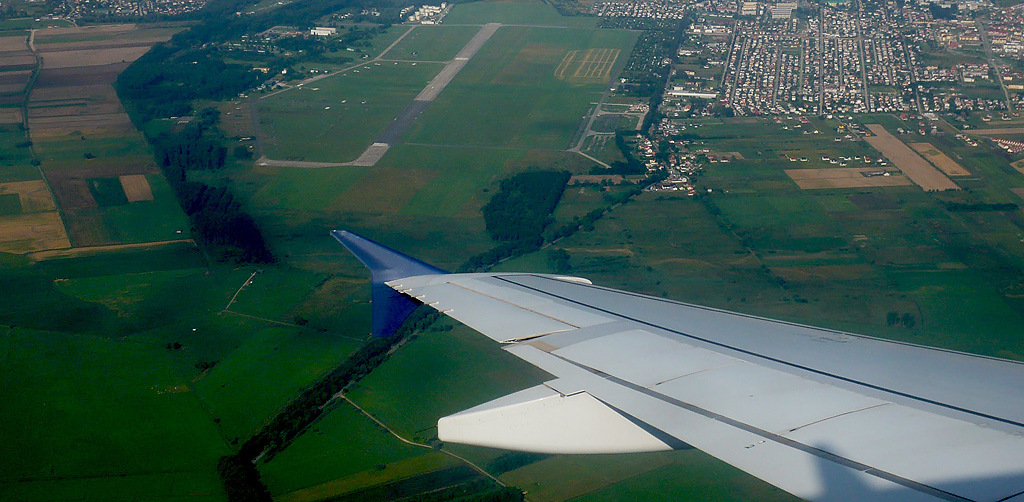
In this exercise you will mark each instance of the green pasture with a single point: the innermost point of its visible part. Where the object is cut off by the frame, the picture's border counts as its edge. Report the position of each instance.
(514, 12)
(70, 151)
(508, 95)
(86, 414)
(15, 161)
(160, 219)
(274, 292)
(689, 475)
(335, 119)
(26, 23)
(306, 189)
(10, 203)
(342, 443)
(458, 178)
(172, 256)
(952, 301)
(264, 372)
(432, 43)
(437, 374)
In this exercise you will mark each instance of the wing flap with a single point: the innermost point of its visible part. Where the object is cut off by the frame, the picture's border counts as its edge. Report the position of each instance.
(806, 472)
(540, 419)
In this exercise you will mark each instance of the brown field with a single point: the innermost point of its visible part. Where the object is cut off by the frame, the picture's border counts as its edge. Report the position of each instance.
(34, 195)
(65, 100)
(941, 160)
(1018, 191)
(849, 177)
(15, 77)
(70, 187)
(16, 43)
(136, 187)
(11, 88)
(917, 169)
(84, 76)
(1001, 131)
(17, 59)
(91, 57)
(588, 64)
(29, 232)
(56, 254)
(10, 116)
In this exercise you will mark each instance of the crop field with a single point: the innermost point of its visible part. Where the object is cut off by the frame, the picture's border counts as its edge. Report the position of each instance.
(508, 94)
(335, 119)
(855, 177)
(939, 159)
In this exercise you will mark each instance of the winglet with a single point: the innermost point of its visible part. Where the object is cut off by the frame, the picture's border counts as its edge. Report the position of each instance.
(390, 308)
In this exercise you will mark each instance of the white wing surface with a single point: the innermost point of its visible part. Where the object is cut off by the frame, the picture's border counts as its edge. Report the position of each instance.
(822, 414)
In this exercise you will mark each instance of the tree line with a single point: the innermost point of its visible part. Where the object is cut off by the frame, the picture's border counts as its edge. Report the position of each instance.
(216, 215)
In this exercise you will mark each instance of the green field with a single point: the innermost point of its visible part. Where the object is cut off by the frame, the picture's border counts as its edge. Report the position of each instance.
(508, 94)
(432, 43)
(316, 457)
(92, 413)
(514, 12)
(335, 119)
(262, 374)
(437, 374)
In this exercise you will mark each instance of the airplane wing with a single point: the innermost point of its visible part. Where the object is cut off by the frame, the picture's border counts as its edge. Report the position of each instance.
(822, 414)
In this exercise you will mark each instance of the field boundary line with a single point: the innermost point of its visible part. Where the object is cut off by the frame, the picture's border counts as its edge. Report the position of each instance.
(421, 445)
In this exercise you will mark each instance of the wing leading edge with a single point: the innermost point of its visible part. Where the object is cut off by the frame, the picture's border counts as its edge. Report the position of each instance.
(824, 415)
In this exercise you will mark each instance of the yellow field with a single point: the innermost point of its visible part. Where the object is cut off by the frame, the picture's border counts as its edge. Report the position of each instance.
(939, 159)
(916, 168)
(34, 195)
(24, 233)
(10, 115)
(852, 177)
(136, 187)
(589, 64)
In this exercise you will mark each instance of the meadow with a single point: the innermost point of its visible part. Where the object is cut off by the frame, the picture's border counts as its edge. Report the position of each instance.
(509, 96)
(431, 43)
(513, 12)
(335, 119)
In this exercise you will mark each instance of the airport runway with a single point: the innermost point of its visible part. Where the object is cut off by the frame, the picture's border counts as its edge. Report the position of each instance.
(397, 129)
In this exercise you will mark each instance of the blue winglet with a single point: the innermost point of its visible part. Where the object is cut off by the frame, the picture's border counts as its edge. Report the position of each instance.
(390, 308)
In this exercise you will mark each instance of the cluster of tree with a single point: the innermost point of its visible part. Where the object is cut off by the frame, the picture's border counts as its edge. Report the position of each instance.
(165, 80)
(219, 221)
(906, 320)
(522, 207)
(961, 207)
(194, 148)
(242, 480)
(940, 12)
(559, 260)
